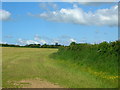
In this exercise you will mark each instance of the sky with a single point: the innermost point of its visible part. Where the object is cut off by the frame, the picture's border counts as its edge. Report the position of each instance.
(58, 22)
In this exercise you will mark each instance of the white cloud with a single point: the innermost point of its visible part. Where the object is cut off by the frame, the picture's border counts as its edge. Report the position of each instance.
(1, 42)
(88, 3)
(72, 40)
(48, 5)
(21, 41)
(101, 17)
(64, 40)
(36, 40)
(41, 41)
(4, 15)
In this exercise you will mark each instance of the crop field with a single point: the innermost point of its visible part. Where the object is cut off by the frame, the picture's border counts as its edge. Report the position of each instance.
(34, 68)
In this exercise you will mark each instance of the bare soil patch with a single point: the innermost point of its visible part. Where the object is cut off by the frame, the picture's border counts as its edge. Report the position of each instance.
(38, 83)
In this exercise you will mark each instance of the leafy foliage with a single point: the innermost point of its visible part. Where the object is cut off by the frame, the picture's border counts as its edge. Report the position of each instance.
(100, 57)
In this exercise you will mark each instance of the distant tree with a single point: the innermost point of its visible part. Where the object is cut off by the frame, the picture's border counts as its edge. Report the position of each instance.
(33, 45)
(44, 46)
(72, 43)
(9, 45)
(56, 44)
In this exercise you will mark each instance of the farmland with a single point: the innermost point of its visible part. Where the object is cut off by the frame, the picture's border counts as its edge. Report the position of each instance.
(22, 66)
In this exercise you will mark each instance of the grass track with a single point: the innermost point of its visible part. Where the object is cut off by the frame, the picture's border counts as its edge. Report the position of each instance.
(30, 63)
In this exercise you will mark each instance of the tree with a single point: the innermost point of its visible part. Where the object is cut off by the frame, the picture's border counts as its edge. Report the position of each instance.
(72, 43)
(56, 44)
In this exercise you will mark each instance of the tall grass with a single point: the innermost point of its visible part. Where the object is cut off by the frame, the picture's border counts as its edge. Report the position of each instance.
(98, 59)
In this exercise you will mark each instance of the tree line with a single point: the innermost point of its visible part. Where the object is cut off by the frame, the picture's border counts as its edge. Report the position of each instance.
(56, 45)
(103, 47)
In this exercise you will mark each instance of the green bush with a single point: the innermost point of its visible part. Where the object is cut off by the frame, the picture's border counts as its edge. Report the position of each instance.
(100, 57)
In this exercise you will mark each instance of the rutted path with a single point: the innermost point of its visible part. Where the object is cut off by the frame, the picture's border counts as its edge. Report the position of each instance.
(38, 83)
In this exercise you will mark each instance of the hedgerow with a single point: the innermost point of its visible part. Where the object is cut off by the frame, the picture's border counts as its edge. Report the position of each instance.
(100, 57)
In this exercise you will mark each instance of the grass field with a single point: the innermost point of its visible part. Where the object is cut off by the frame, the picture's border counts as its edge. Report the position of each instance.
(30, 63)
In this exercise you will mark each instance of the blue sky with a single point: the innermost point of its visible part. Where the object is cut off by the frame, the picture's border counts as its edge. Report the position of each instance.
(60, 22)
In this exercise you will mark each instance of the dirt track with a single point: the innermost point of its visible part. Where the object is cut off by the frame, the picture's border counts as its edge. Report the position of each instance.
(38, 83)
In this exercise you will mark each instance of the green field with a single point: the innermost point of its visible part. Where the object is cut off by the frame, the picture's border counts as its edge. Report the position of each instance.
(30, 63)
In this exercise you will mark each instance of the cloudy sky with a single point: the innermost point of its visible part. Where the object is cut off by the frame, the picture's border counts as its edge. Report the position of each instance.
(62, 22)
